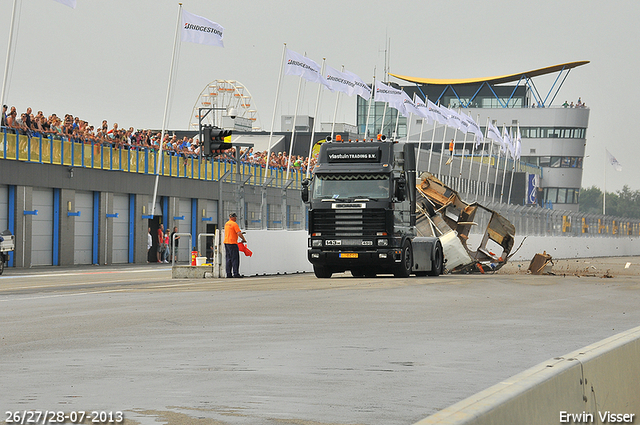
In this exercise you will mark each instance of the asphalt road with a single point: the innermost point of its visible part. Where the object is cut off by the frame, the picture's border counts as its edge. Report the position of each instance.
(288, 349)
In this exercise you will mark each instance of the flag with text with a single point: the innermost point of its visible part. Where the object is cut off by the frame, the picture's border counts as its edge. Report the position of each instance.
(196, 29)
(296, 64)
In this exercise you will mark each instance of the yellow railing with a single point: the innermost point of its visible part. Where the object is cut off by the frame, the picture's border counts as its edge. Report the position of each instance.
(53, 150)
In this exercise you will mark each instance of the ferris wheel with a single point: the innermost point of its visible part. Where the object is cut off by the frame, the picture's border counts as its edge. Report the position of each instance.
(224, 94)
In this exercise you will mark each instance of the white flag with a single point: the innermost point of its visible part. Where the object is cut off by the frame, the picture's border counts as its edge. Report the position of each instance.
(196, 29)
(70, 3)
(613, 161)
(423, 110)
(453, 119)
(340, 81)
(408, 106)
(473, 127)
(437, 113)
(518, 144)
(361, 88)
(385, 93)
(296, 64)
(494, 134)
(509, 146)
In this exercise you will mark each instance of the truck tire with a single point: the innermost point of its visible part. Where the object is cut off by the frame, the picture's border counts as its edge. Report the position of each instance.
(1, 263)
(438, 261)
(403, 269)
(357, 273)
(322, 272)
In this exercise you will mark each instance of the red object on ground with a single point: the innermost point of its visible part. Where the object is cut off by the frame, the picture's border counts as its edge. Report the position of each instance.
(194, 254)
(243, 248)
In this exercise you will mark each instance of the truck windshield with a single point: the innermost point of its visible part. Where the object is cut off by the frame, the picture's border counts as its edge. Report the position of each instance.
(351, 186)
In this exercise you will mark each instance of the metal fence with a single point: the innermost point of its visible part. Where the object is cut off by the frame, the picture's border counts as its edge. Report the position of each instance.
(53, 149)
(533, 220)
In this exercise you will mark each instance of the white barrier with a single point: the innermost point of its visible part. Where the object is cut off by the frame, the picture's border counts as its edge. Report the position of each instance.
(285, 251)
(561, 247)
(274, 252)
(598, 381)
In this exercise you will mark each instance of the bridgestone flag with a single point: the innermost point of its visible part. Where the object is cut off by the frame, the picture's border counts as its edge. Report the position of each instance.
(196, 29)
(613, 161)
(494, 134)
(296, 64)
(339, 81)
(439, 114)
(385, 93)
(70, 3)
(361, 88)
(423, 111)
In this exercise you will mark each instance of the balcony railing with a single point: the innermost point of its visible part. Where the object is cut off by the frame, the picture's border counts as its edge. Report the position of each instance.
(58, 150)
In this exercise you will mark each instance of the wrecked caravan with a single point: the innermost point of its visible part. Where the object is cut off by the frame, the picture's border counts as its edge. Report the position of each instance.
(442, 213)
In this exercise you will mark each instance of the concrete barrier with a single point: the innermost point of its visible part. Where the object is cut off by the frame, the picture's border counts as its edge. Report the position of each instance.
(191, 272)
(560, 247)
(594, 383)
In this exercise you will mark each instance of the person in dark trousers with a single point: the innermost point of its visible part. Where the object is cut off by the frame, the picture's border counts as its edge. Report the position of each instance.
(175, 251)
(231, 234)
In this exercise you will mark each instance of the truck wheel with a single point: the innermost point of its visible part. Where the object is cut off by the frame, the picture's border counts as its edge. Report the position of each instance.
(404, 268)
(322, 272)
(1, 263)
(438, 260)
(357, 273)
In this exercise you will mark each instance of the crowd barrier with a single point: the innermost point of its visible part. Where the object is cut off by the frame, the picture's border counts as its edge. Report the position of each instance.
(62, 151)
(599, 383)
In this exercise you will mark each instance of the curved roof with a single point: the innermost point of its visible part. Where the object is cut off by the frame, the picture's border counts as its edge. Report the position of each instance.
(493, 80)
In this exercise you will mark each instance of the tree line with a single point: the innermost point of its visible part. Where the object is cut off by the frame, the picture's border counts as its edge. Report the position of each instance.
(623, 203)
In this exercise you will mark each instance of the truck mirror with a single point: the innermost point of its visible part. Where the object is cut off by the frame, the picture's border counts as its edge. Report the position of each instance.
(305, 190)
(401, 186)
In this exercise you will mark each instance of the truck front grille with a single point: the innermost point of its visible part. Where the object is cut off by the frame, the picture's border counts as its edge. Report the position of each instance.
(357, 222)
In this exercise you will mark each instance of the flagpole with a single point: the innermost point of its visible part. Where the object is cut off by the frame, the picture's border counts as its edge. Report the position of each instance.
(335, 111)
(166, 109)
(366, 126)
(604, 192)
(495, 180)
(273, 118)
(473, 153)
(293, 129)
(513, 168)
(384, 113)
(486, 184)
(433, 139)
(504, 171)
(6, 63)
(419, 142)
(313, 129)
(462, 160)
(444, 136)
(455, 135)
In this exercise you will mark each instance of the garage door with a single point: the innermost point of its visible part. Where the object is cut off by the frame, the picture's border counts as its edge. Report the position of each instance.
(184, 226)
(83, 241)
(4, 207)
(121, 229)
(212, 211)
(42, 228)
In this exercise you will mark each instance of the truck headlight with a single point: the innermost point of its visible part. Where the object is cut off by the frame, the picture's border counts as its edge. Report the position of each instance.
(383, 242)
(316, 242)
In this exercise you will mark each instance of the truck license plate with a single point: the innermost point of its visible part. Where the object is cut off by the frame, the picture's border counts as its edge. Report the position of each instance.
(348, 255)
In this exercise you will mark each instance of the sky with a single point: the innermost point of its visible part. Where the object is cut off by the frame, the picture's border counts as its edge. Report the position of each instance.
(111, 59)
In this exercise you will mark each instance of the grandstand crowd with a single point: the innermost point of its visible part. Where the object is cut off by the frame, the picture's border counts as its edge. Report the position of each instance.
(77, 130)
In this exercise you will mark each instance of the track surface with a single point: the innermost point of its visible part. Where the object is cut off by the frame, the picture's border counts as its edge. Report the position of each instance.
(289, 349)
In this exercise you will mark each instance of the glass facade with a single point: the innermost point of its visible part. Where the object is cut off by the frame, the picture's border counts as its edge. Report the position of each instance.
(561, 195)
(374, 113)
